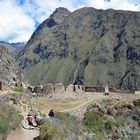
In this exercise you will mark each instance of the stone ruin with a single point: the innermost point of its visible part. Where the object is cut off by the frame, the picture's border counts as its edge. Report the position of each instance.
(48, 88)
(71, 89)
(38, 89)
(78, 88)
(59, 88)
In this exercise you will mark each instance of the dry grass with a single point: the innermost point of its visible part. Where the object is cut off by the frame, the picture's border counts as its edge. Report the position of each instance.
(45, 104)
(67, 104)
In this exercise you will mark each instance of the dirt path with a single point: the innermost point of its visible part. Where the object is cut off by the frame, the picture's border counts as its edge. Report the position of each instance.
(84, 104)
(80, 110)
(23, 134)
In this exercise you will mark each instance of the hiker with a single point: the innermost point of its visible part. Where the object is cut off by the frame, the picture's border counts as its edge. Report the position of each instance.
(51, 113)
(30, 121)
(37, 116)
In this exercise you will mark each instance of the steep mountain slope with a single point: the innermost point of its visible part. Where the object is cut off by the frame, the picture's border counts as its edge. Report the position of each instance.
(8, 67)
(88, 46)
(13, 47)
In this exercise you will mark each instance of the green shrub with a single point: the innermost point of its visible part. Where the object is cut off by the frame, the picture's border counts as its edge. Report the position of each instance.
(18, 89)
(98, 124)
(9, 119)
(47, 132)
(137, 103)
(110, 126)
(62, 126)
(4, 127)
(93, 121)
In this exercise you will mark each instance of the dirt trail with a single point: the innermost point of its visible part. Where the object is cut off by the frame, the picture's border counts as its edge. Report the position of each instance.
(80, 110)
(23, 134)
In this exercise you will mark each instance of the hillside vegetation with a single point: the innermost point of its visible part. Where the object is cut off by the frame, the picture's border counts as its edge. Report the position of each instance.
(107, 119)
(10, 119)
(87, 46)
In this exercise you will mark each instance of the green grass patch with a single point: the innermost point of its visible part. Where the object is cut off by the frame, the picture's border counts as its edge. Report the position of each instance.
(18, 89)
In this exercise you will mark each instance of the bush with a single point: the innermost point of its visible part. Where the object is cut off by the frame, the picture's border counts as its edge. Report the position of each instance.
(62, 126)
(18, 89)
(137, 103)
(4, 127)
(99, 124)
(93, 121)
(47, 132)
(9, 119)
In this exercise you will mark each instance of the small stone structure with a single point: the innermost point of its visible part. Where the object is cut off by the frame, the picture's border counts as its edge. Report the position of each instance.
(78, 88)
(59, 88)
(93, 89)
(70, 88)
(38, 89)
(49, 88)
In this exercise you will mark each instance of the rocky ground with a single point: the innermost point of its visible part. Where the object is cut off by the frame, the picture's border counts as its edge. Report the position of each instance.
(22, 102)
(79, 111)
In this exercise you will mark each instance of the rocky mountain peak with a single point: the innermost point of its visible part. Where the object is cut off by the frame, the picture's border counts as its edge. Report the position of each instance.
(55, 18)
(61, 10)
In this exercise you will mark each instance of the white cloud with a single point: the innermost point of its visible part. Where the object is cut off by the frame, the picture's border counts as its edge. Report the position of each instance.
(114, 4)
(17, 21)
(14, 24)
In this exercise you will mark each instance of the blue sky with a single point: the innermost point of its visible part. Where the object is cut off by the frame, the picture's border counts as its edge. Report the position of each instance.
(19, 18)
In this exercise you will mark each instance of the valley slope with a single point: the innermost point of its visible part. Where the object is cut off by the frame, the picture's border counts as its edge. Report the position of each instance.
(87, 46)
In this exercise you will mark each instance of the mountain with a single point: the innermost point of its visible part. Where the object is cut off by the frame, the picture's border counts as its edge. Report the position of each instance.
(13, 47)
(8, 67)
(88, 46)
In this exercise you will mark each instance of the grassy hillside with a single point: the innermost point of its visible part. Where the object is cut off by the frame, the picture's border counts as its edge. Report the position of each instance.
(87, 46)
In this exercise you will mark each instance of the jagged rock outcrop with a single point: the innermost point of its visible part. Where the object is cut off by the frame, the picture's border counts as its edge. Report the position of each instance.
(87, 47)
(13, 48)
(8, 67)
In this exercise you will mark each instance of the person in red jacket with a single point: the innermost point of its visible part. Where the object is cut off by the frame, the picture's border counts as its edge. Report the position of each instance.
(30, 120)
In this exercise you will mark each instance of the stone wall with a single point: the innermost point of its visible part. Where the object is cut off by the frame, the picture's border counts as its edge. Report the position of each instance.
(49, 88)
(59, 88)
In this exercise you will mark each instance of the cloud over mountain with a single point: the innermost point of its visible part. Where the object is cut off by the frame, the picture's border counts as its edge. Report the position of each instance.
(21, 17)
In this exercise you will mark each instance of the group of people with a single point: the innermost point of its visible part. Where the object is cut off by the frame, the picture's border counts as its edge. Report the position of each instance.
(37, 116)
